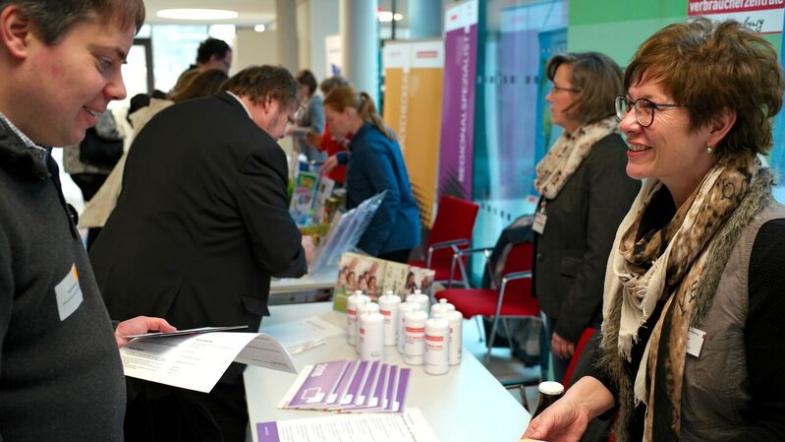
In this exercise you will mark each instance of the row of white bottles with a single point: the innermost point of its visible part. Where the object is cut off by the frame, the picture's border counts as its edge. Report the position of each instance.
(434, 343)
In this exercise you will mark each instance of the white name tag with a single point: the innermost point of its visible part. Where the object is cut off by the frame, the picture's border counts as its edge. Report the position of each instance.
(68, 294)
(539, 222)
(695, 341)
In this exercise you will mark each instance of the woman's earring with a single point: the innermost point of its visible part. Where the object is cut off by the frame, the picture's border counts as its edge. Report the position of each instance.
(709, 150)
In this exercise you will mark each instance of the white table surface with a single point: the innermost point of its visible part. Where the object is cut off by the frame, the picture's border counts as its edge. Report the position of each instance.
(323, 280)
(466, 404)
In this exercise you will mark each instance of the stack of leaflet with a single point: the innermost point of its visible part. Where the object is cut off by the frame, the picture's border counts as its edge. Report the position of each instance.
(349, 386)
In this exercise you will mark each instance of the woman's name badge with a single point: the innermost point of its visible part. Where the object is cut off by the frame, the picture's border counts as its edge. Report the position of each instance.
(695, 341)
(540, 218)
(68, 294)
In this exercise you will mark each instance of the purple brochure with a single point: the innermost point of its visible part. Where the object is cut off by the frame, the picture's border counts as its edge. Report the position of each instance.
(392, 378)
(378, 389)
(340, 388)
(267, 432)
(319, 383)
(365, 392)
(354, 388)
(400, 391)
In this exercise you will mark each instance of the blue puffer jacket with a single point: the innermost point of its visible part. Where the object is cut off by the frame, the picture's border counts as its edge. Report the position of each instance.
(377, 165)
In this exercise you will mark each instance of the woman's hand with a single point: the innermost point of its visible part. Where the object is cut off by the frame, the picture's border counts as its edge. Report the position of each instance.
(562, 421)
(567, 418)
(561, 348)
(329, 164)
(139, 325)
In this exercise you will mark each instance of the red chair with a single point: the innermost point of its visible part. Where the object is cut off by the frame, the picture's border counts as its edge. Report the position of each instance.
(512, 296)
(451, 231)
(588, 332)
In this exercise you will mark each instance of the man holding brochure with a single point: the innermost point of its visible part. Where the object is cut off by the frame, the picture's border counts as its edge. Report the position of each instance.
(201, 226)
(60, 373)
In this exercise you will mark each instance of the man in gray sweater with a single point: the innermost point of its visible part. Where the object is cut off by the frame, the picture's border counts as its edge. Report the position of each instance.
(60, 372)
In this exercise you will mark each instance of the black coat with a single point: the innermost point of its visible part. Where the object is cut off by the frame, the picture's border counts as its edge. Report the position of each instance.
(571, 253)
(202, 222)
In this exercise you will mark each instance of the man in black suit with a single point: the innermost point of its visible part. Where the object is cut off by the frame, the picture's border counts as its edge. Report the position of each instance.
(201, 225)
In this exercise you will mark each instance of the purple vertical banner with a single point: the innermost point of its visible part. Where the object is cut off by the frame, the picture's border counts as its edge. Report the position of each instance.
(460, 73)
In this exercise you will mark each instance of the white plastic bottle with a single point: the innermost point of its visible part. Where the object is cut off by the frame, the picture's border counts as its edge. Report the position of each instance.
(440, 309)
(422, 300)
(403, 309)
(437, 336)
(352, 303)
(414, 348)
(388, 306)
(364, 309)
(455, 322)
(371, 336)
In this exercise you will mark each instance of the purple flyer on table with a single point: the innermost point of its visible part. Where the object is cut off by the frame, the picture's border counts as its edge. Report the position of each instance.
(267, 432)
(392, 379)
(365, 391)
(343, 384)
(318, 384)
(378, 389)
(400, 391)
(354, 388)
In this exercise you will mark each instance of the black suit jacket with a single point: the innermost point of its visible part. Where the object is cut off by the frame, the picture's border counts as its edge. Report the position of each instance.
(571, 254)
(202, 221)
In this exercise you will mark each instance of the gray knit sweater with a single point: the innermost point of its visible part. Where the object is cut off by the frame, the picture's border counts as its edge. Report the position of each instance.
(60, 372)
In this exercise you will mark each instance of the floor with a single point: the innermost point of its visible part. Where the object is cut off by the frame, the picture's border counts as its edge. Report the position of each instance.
(502, 365)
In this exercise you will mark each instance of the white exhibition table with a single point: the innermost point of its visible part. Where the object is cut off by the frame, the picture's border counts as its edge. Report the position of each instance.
(466, 404)
(307, 283)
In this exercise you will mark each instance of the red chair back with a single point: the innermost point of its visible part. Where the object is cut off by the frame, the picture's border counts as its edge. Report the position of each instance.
(455, 219)
(582, 341)
(519, 292)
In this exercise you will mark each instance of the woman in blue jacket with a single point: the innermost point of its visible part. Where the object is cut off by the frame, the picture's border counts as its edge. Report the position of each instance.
(376, 166)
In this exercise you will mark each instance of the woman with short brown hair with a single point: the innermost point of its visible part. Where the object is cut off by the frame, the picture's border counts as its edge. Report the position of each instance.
(692, 318)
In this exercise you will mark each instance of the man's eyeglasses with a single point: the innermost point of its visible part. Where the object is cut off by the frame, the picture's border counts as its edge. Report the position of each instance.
(298, 114)
(644, 109)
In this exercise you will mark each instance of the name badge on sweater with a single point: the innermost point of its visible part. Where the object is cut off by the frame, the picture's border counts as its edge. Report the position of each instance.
(695, 341)
(68, 294)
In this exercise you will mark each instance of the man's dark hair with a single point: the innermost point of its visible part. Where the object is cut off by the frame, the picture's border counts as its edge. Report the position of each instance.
(307, 79)
(261, 82)
(52, 18)
(210, 47)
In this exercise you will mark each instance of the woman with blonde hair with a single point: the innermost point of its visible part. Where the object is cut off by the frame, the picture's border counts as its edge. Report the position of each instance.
(692, 316)
(376, 166)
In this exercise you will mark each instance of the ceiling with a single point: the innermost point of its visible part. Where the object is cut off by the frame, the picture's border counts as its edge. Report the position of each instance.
(252, 12)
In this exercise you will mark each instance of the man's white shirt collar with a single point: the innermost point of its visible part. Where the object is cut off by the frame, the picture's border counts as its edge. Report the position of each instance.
(241, 103)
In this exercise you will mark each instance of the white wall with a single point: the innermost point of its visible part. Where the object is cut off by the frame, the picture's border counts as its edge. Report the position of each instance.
(324, 22)
(254, 48)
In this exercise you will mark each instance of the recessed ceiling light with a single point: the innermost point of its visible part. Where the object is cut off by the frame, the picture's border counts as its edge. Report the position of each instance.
(197, 14)
(260, 28)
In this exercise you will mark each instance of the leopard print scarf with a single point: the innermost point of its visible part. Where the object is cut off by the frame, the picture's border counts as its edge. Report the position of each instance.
(567, 154)
(667, 264)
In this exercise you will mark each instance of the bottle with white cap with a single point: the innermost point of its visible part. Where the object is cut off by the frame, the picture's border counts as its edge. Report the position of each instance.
(440, 309)
(371, 336)
(364, 309)
(403, 309)
(550, 392)
(455, 322)
(352, 302)
(422, 300)
(437, 335)
(414, 348)
(388, 306)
